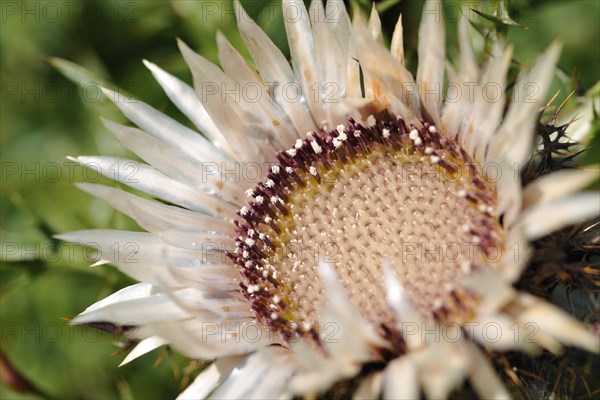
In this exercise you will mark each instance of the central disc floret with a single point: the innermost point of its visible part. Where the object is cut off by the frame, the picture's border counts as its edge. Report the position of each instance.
(357, 197)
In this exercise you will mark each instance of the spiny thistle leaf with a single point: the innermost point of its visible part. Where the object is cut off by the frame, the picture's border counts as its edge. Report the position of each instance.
(500, 17)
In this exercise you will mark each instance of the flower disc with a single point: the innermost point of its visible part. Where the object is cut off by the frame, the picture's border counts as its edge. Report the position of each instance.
(356, 198)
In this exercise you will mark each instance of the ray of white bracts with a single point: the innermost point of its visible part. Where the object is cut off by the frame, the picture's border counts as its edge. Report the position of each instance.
(386, 79)
(507, 319)
(262, 375)
(200, 325)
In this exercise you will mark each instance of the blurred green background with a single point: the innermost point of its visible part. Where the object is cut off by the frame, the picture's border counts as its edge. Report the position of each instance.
(45, 117)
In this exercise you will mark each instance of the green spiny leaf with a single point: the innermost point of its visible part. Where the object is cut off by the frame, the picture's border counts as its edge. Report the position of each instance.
(500, 17)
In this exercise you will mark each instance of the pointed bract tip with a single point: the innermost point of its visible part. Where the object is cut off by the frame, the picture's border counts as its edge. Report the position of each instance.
(149, 65)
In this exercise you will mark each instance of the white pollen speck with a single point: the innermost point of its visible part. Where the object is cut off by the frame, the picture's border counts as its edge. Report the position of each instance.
(357, 133)
(462, 193)
(337, 143)
(289, 170)
(245, 254)
(313, 171)
(465, 228)
(482, 207)
(386, 133)
(340, 128)
(476, 239)
(437, 304)
(294, 326)
(276, 299)
(269, 183)
(275, 169)
(291, 152)
(465, 267)
(295, 264)
(249, 192)
(253, 289)
(432, 129)
(298, 143)
(268, 219)
(275, 199)
(251, 232)
(414, 134)
(371, 120)
(265, 274)
(428, 150)
(418, 141)
(249, 242)
(244, 210)
(306, 326)
(259, 199)
(317, 149)
(248, 264)
(434, 159)
(490, 209)
(309, 134)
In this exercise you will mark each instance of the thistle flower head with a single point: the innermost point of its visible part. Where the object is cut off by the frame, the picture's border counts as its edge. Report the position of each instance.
(382, 238)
